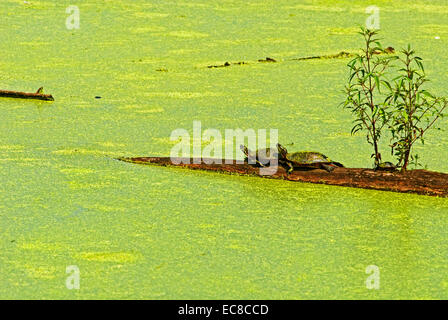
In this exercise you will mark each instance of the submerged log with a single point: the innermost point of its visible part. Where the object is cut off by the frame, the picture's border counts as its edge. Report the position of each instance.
(26, 95)
(414, 181)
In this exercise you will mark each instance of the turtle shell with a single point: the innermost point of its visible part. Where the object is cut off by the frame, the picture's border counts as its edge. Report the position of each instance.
(307, 158)
(386, 166)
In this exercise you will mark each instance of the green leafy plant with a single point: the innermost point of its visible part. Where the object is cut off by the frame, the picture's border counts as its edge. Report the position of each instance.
(415, 110)
(364, 98)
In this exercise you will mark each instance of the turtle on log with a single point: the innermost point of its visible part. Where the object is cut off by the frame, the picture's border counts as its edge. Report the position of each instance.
(385, 166)
(260, 157)
(306, 160)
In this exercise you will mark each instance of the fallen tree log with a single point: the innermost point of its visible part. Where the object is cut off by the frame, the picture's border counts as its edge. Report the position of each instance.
(414, 181)
(26, 95)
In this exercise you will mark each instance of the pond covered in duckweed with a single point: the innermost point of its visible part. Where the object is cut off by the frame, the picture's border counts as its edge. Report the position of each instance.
(166, 233)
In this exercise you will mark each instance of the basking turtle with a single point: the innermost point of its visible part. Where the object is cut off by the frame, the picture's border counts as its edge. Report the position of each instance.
(385, 166)
(306, 160)
(261, 157)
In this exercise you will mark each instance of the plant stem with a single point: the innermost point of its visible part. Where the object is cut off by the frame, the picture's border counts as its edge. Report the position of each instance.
(371, 102)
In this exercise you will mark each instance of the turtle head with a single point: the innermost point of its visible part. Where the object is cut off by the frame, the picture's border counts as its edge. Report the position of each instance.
(282, 150)
(244, 150)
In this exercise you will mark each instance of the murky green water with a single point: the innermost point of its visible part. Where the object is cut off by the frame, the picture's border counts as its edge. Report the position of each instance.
(159, 233)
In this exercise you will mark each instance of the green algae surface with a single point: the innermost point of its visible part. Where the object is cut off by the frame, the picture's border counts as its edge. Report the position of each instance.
(166, 233)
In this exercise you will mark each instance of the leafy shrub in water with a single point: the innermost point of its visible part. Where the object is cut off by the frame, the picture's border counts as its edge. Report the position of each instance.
(415, 110)
(401, 105)
(363, 92)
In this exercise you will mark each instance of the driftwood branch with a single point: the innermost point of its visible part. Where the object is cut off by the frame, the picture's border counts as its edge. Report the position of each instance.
(414, 181)
(26, 95)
